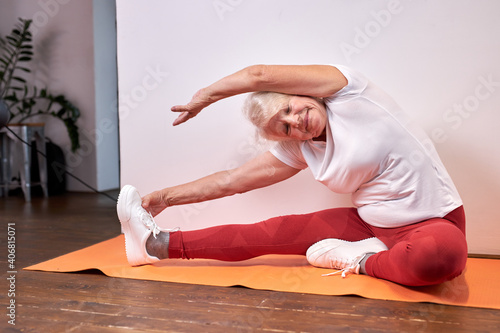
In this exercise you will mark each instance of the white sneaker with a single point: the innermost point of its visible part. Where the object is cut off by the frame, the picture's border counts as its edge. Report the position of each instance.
(342, 255)
(137, 225)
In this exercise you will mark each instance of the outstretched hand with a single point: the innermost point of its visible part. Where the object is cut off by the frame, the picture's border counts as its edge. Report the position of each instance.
(155, 203)
(199, 101)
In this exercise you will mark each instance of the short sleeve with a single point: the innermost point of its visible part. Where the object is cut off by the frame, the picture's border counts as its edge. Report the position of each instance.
(356, 84)
(289, 152)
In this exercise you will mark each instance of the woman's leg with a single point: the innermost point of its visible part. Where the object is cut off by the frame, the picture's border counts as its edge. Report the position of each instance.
(425, 253)
(292, 234)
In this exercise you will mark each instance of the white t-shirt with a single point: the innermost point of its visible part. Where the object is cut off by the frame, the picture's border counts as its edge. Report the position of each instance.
(376, 152)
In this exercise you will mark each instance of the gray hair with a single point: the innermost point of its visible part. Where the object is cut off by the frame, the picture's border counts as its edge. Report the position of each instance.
(261, 106)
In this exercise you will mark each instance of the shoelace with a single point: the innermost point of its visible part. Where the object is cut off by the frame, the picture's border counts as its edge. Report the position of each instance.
(150, 223)
(345, 266)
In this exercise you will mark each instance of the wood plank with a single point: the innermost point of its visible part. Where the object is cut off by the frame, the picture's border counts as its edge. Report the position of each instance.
(92, 302)
(252, 307)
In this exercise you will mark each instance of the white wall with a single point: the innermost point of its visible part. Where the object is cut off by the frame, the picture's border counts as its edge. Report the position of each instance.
(65, 59)
(438, 59)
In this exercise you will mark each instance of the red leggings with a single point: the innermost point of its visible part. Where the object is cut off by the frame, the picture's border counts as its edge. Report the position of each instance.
(424, 253)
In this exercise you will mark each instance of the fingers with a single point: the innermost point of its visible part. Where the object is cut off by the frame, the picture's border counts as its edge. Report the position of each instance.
(150, 206)
(199, 101)
(154, 202)
(182, 118)
(179, 108)
(190, 107)
(187, 112)
(145, 202)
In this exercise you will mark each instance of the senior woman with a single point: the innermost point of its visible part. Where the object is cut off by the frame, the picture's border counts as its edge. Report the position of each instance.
(407, 224)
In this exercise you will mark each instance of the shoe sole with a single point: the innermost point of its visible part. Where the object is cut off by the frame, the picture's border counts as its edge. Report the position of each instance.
(124, 218)
(312, 252)
(125, 193)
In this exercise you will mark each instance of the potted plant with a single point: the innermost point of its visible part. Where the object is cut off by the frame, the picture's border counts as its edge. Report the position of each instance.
(25, 101)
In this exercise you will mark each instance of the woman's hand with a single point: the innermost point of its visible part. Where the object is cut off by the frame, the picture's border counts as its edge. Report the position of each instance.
(199, 101)
(155, 202)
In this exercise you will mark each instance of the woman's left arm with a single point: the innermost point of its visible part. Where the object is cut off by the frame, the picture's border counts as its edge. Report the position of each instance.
(307, 80)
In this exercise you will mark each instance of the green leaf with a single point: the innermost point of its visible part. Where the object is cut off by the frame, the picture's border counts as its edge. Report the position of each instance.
(13, 44)
(19, 79)
(12, 39)
(10, 52)
(15, 49)
(24, 69)
(11, 98)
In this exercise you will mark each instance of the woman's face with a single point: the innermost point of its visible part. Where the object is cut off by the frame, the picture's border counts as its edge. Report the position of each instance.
(303, 118)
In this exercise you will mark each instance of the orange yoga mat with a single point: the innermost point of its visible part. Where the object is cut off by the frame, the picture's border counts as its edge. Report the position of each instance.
(478, 286)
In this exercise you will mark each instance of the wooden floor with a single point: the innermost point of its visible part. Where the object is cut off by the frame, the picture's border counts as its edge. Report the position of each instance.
(92, 302)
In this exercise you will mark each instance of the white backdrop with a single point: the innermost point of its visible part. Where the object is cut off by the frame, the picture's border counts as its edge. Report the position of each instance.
(439, 59)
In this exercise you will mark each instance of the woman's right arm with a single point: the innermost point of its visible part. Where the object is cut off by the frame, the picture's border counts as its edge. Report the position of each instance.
(264, 170)
(307, 80)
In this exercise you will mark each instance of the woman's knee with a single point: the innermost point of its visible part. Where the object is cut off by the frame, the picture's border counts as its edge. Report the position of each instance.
(438, 254)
